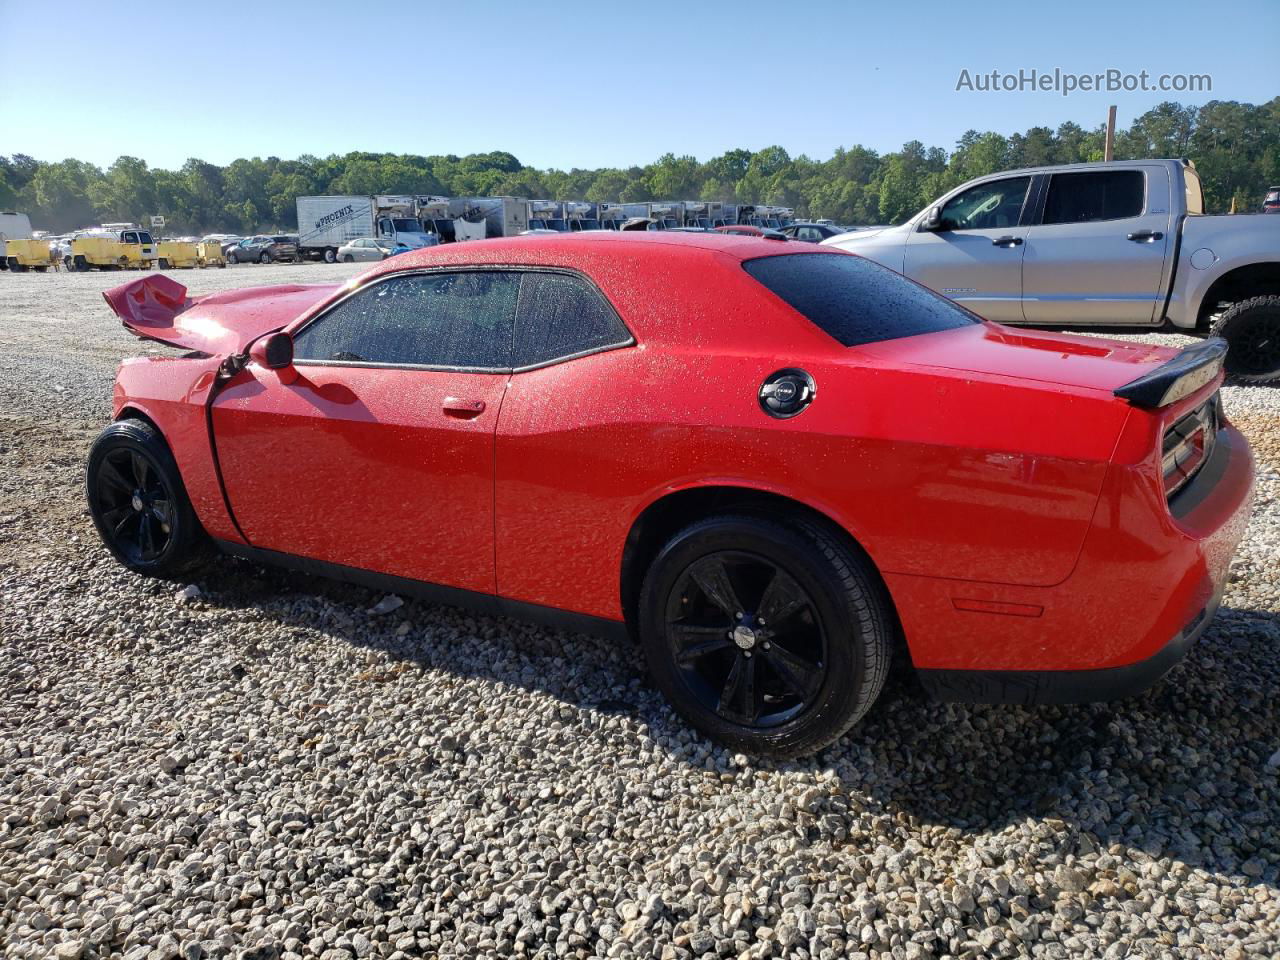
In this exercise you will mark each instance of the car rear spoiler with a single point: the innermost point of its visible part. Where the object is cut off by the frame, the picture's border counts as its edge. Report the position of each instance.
(1180, 377)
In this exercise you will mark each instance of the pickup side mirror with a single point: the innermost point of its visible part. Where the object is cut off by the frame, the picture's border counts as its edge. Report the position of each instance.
(275, 352)
(932, 220)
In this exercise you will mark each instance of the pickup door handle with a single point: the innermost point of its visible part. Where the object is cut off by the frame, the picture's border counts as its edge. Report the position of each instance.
(1006, 242)
(457, 407)
(1146, 236)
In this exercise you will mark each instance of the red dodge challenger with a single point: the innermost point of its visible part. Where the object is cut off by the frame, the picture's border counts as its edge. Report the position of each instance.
(770, 463)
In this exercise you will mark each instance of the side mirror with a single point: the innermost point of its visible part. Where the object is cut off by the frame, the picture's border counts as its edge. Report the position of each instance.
(275, 352)
(932, 220)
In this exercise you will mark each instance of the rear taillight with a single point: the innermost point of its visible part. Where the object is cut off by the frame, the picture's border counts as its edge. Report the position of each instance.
(1188, 444)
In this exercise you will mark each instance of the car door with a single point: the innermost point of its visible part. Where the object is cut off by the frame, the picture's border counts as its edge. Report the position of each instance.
(380, 455)
(975, 257)
(1096, 253)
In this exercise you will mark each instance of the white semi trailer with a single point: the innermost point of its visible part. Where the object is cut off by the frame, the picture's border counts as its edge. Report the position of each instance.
(326, 223)
(547, 215)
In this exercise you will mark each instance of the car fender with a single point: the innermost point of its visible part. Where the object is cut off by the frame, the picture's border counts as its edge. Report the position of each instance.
(173, 393)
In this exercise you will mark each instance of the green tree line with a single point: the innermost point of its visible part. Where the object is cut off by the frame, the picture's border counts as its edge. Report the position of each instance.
(1235, 146)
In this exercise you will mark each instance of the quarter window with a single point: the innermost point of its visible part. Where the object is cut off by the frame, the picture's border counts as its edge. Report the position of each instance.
(988, 206)
(562, 315)
(1088, 197)
(457, 320)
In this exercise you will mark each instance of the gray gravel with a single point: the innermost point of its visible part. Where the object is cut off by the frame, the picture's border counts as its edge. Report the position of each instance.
(263, 765)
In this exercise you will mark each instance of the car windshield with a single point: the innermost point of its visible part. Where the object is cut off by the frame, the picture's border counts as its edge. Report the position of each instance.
(855, 300)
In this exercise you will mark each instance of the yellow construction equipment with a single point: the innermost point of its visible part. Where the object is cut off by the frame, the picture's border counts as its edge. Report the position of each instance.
(209, 254)
(179, 254)
(113, 249)
(28, 254)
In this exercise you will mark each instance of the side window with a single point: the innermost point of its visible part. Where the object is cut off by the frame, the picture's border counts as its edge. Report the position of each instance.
(560, 316)
(437, 320)
(988, 206)
(1086, 197)
(129, 237)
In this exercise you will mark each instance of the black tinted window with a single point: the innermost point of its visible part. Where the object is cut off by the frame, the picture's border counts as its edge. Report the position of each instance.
(443, 319)
(562, 315)
(855, 300)
(1105, 195)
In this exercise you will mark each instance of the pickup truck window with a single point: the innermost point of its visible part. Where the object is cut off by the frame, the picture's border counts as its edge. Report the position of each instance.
(988, 206)
(1089, 197)
(855, 300)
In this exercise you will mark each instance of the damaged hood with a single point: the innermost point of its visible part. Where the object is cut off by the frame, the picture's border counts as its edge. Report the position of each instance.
(157, 307)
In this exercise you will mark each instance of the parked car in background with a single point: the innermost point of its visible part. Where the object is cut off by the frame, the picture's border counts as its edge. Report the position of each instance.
(1041, 517)
(1271, 203)
(1121, 244)
(370, 248)
(263, 249)
(747, 230)
(810, 232)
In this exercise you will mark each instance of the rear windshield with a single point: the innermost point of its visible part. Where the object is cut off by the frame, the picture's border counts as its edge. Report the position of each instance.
(855, 300)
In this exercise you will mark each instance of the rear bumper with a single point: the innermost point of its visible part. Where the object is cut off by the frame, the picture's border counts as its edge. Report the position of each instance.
(1028, 687)
(1148, 581)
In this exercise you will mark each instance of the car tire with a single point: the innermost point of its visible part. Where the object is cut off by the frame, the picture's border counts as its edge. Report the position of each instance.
(1252, 331)
(348, 259)
(817, 642)
(330, 255)
(139, 503)
(265, 258)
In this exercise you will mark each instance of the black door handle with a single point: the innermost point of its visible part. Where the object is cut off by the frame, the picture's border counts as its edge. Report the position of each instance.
(1006, 241)
(1146, 236)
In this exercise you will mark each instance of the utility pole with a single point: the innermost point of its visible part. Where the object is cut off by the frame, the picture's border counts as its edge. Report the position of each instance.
(1108, 151)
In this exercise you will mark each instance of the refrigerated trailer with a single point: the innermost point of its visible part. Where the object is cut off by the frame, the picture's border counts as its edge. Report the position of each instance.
(326, 223)
(707, 214)
(547, 215)
(485, 217)
(581, 215)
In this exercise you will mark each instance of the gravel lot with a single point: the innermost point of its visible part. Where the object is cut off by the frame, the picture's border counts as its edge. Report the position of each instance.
(272, 769)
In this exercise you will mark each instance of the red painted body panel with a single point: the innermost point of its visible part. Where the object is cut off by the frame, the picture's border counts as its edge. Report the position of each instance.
(363, 467)
(173, 393)
(982, 469)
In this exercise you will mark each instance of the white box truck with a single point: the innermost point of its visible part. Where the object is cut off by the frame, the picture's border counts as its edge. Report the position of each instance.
(326, 223)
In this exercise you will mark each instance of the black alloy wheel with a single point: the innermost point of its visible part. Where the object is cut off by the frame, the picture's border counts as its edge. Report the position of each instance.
(746, 638)
(770, 635)
(138, 502)
(136, 507)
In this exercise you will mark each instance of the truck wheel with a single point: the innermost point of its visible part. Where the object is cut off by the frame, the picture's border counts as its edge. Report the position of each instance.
(164, 263)
(39, 269)
(1252, 331)
(80, 263)
(771, 638)
(330, 255)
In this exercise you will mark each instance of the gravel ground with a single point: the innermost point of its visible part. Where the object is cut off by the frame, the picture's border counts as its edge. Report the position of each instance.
(263, 766)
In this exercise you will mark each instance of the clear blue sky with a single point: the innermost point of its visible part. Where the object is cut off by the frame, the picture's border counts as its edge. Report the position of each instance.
(587, 84)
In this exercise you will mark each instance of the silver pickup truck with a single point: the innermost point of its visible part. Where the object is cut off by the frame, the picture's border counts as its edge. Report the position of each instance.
(1123, 244)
